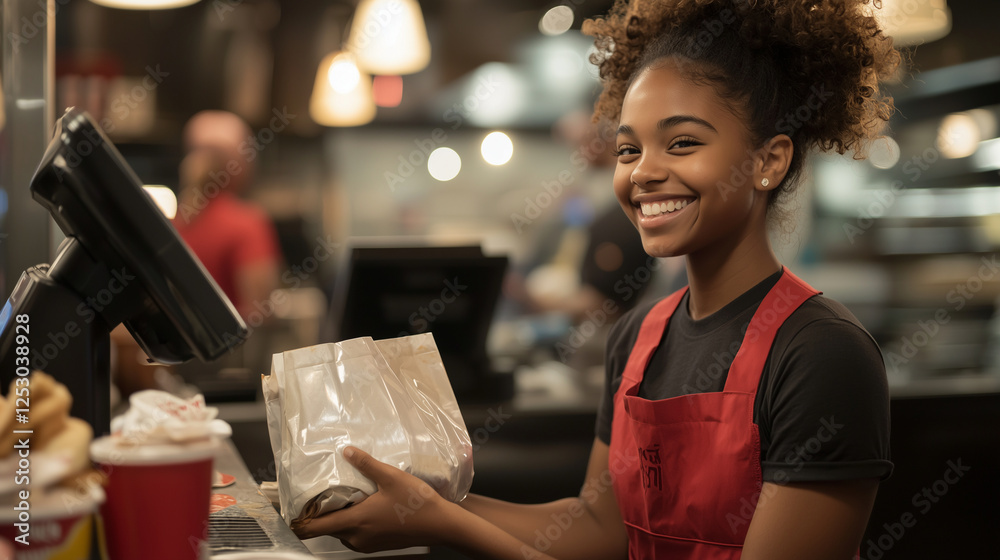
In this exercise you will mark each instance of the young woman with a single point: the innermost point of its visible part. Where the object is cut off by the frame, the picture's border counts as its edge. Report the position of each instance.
(746, 416)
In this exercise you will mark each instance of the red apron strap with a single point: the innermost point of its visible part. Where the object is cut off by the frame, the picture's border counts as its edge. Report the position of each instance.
(784, 298)
(650, 334)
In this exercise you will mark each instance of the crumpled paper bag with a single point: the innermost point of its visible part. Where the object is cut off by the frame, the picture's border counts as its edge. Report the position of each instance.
(390, 398)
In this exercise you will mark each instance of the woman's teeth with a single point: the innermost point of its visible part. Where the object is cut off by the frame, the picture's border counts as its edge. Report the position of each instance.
(657, 208)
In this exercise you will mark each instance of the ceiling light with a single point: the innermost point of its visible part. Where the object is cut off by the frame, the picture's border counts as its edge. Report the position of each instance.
(497, 148)
(884, 152)
(164, 198)
(144, 4)
(342, 94)
(495, 95)
(556, 21)
(389, 37)
(444, 164)
(958, 136)
(912, 22)
(343, 75)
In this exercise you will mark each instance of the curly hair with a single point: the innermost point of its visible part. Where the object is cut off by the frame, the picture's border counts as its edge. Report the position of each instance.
(806, 68)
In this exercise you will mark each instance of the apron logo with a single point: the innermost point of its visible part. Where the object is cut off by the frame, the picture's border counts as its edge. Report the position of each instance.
(649, 459)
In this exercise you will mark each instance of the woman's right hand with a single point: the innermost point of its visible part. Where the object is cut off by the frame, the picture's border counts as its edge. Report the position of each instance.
(404, 512)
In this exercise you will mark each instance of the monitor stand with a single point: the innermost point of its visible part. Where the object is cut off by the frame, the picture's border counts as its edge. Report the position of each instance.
(65, 312)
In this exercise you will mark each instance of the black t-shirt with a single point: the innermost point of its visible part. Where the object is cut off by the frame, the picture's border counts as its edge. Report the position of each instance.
(822, 406)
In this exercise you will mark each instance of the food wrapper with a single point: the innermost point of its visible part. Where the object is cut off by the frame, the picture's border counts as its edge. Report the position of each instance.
(390, 398)
(157, 417)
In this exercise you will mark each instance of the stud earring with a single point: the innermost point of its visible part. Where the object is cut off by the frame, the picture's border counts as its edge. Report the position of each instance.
(764, 182)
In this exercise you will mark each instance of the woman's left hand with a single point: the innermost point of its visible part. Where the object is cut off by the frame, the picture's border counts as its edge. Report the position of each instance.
(404, 512)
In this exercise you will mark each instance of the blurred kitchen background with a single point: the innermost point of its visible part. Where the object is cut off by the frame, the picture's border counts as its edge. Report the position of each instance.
(476, 139)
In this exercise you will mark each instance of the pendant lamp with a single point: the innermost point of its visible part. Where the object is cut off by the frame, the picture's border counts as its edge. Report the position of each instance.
(389, 37)
(342, 94)
(144, 4)
(912, 22)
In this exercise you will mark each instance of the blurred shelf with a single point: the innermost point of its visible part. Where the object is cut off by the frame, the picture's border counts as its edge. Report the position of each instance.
(979, 384)
(946, 90)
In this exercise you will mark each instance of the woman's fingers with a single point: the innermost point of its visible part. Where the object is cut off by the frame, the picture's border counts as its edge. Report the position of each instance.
(379, 472)
(335, 524)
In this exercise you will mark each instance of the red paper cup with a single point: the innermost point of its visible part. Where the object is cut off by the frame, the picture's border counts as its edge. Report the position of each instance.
(157, 499)
(60, 524)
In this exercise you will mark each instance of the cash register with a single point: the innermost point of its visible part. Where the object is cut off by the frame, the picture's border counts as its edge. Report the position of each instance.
(121, 262)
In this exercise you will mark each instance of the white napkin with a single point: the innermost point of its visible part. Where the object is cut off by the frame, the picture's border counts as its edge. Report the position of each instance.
(158, 417)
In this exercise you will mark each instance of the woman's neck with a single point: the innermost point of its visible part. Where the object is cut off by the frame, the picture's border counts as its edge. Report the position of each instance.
(719, 275)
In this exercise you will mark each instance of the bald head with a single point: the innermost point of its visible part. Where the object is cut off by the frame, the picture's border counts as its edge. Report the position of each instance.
(227, 135)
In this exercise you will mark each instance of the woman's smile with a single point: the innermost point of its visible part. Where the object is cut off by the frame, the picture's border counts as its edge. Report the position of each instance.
(657, 212)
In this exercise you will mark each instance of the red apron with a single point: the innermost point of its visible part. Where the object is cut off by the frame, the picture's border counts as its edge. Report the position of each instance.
(698, 456)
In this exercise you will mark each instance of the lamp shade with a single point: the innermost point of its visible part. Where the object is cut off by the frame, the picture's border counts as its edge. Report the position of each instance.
(389, 37)
(342, 94)
(144, 4)
(910, 22)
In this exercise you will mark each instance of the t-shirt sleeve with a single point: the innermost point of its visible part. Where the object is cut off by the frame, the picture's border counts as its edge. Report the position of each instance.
(826, 416)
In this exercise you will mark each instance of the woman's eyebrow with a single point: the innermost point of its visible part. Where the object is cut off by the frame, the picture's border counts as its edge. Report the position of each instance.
(625, 129)
(669, 122)
(680, 119)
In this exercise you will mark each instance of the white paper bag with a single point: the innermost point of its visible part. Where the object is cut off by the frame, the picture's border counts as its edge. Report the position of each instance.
(390, 398)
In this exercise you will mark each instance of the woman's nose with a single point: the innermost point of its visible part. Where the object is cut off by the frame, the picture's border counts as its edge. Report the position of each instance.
(647, 170)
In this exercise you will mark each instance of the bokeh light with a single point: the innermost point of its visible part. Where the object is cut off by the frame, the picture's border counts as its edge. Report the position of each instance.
(497, 148)
(444, 164)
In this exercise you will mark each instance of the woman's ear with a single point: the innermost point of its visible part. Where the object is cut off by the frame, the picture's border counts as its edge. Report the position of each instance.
(775, 157)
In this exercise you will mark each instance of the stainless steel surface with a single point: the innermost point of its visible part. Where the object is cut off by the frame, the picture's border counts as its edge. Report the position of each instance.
(28, 85)
(251, 503)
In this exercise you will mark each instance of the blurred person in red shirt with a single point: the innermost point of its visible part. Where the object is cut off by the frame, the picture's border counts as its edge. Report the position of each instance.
(233, 238)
